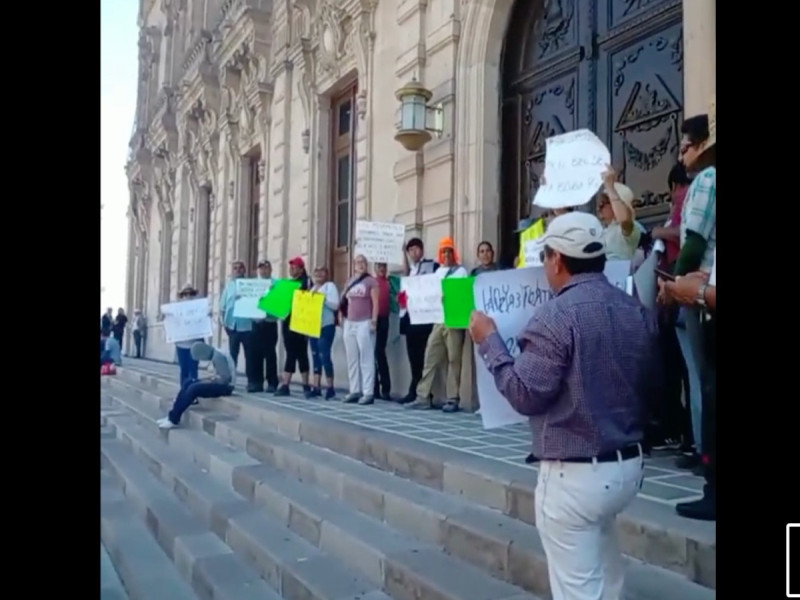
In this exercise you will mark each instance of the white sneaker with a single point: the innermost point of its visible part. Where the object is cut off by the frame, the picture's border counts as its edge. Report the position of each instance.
(165, 423)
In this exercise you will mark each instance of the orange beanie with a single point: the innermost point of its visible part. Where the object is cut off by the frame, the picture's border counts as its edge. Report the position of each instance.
(447, 242)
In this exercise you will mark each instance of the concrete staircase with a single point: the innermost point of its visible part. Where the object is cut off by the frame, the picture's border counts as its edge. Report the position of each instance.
(251, 499)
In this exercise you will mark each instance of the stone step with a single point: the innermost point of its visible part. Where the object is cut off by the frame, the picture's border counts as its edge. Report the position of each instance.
(145, 570)
(289, 564)
(199, 556)
(405, 567)
(110, 586)
(505, 547)
(649, 532)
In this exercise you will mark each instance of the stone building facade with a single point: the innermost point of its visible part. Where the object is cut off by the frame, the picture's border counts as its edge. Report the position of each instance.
(265, 128)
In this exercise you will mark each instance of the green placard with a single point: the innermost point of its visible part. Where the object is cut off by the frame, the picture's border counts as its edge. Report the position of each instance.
(278, 301)
(458, 299)
(394, 289)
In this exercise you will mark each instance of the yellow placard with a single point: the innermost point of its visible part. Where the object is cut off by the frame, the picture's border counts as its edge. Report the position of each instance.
(533, 232)
(306, 316)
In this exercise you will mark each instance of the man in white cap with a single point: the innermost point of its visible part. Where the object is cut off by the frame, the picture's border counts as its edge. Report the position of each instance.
(583, 376)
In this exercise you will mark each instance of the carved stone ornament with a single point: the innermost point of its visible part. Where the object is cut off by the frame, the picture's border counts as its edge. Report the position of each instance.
(330, 36)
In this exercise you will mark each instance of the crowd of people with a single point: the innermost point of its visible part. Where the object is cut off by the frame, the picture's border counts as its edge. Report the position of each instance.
(591, 374)
(604, 379)
(677, 411)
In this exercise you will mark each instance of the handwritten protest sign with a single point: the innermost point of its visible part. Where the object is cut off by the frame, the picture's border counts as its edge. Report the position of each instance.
(574, 164)
(458, 301)
(511, 298)
(533, 251)
(424, 294)
(380, 242)
(278, 301)
(187, 320)
(307, 313)
(250, 291)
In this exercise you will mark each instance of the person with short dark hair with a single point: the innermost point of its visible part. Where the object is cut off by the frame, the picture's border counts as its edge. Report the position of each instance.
(120, 322)
(587, 367)
(416, 335)
(239, 329)
(219, 384)
(265, 342)
(698, 236)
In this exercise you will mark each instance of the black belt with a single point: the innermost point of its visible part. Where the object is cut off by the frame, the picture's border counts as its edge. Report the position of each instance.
(625, 453)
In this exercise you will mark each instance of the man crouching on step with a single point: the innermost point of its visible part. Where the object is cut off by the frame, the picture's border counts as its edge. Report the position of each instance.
(220, 384)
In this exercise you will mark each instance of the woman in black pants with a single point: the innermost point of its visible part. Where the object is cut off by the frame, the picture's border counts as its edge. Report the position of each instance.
(296, 345)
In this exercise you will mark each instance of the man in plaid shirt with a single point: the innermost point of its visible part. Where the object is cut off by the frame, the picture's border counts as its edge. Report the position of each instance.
(698, 231)
(589, 362)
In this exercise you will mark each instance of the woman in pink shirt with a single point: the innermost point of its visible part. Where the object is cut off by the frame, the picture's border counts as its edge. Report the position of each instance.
(359, 310)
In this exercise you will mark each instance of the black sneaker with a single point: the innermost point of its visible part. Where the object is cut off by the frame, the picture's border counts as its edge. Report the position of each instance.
(407, 399)
(271, 389)
(704, 509)
(530, 459)
(688, 461)
(308, 392)
(282, 391)
(330, 394)
(254, 389)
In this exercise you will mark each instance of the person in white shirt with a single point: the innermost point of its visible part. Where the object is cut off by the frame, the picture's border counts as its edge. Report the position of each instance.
(321, 348)
(615, 209)
(416, 335)
(444, 345)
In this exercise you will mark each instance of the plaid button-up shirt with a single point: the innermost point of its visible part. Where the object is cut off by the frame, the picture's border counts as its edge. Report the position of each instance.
(588, 367)
(700, 213)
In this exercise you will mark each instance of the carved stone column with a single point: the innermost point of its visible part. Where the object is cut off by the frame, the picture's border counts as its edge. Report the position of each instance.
(699, 55)
(130, 274)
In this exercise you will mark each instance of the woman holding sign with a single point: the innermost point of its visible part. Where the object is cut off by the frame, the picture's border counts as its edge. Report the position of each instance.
(188, 365)
(295, 344)
(359, 309)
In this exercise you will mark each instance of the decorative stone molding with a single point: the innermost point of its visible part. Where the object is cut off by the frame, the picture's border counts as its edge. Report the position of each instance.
(246, 95)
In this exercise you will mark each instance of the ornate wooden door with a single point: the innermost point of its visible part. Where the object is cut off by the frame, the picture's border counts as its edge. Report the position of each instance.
(613, 66)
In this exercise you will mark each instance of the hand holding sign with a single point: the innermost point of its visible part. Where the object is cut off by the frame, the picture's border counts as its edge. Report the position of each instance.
(574, 164)
(481, 326)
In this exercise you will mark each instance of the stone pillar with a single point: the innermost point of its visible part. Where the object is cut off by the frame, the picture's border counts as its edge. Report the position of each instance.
(699, 55)
(130, 278)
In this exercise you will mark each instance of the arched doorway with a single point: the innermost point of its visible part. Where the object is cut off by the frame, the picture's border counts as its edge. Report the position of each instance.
(612, 66)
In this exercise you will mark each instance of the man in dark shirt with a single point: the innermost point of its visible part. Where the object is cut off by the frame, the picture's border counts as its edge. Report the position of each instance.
(584, 374)
(107, 323)
(383, 379)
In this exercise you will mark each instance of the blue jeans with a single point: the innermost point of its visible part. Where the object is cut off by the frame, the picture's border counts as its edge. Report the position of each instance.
(187, 364)
(321, 351)
(191, 391)
(689, 331)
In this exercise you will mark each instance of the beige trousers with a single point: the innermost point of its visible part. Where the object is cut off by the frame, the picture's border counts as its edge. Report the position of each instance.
(444, 347)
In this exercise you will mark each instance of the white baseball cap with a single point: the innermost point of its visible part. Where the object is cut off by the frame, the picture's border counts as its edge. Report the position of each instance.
(575, 234)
